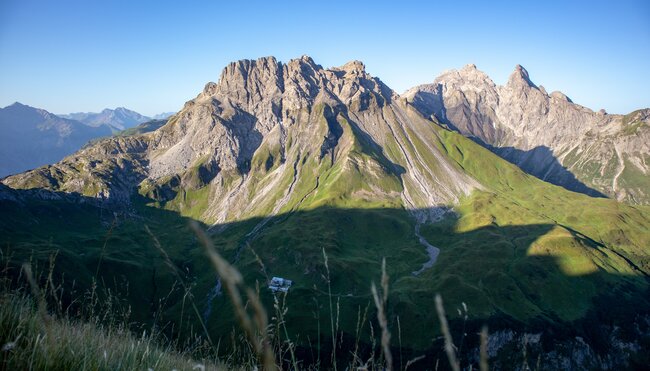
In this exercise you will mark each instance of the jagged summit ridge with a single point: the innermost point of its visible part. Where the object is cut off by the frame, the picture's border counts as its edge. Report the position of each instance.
(298, 81)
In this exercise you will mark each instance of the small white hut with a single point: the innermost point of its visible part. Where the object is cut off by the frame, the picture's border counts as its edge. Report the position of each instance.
(279, 284)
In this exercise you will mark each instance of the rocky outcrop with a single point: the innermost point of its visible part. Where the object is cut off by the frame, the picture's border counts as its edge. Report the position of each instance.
(613, 350)
(545, 134)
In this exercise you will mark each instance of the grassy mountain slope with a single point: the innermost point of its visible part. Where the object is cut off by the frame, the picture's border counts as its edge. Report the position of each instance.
(520, 249)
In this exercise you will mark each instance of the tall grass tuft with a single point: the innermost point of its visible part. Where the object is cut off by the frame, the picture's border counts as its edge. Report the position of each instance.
(483, 363)
(449, 343)
(35, 338)
(380, 303)
(329, 295)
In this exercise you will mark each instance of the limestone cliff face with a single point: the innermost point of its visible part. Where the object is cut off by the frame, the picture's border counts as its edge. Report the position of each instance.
(547, 135)
(271, 137)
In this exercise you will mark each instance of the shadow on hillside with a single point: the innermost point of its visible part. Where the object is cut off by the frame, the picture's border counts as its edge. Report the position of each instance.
(539, 161)
(542, 163)
(489, 268)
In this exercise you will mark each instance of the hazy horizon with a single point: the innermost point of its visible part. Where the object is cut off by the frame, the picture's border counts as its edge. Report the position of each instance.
(151, 58)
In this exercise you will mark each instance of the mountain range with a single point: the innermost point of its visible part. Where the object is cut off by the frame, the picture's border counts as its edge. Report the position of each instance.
(162, 116)
(117, 119)
(282, 162)
(33, 137)
(545, 134)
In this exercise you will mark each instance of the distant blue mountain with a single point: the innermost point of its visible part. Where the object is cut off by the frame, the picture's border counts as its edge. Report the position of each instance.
(33, 137)
(117, 119)
(163, 116)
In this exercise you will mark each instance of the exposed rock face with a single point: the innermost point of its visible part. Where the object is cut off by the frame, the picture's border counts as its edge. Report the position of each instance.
(574, 353)
(271, 137)
(33, 137)
(547, 135)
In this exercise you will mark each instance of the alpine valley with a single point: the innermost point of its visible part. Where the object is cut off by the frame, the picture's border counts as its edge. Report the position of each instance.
(525, 211)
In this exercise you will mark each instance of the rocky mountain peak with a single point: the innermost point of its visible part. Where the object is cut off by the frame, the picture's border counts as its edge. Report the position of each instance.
(307, 60)
(561, 96)
(519, 78)
(354, 67)
(18, 108)
(16, 105)
(469, 75)
(256, 98)
(469, 67)
(240, 74)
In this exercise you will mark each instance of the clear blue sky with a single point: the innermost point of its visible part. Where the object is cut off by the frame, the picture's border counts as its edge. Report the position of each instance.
(68, 56)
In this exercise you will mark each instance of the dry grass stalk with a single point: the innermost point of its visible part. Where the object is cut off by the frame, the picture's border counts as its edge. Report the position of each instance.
(449, 344)
(380, 303)
(373, 343)
(399, 338)
(361, 320)
(412, 361)
(108, 236)
(484, 356)
(329, 293)
(281, 310)
(36, 292)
